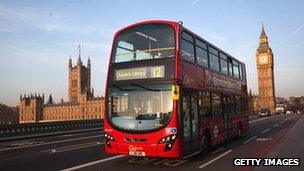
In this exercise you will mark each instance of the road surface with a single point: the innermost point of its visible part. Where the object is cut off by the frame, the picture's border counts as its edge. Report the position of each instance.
(276, 136)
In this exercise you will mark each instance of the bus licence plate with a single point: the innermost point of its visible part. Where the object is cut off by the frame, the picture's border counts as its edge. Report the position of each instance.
(137, 153)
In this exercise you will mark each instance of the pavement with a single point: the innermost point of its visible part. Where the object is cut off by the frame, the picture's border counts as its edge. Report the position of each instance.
(275, 136)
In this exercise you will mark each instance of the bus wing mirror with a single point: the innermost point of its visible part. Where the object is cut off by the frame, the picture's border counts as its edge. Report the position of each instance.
(175, 92)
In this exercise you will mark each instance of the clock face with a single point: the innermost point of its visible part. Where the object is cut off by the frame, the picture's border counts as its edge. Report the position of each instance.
(263, 59)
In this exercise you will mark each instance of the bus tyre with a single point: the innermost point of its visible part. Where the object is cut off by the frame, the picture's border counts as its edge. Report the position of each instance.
(240, 131)
(206, 143)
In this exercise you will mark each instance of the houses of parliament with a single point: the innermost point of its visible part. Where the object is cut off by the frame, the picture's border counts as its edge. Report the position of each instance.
(81, 105)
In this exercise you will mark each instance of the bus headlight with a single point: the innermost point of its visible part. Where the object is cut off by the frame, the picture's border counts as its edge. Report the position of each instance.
(109, 138)
(169, 141)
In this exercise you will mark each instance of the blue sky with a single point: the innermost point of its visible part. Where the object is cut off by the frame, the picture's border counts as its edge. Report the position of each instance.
(37, 38)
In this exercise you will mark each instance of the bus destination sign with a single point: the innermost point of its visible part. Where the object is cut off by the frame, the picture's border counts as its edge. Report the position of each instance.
(140, 73)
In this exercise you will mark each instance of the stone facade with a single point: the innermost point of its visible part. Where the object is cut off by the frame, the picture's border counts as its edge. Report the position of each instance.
(31, 108)
(8, 115)
(82, 103)
(253, 103)
(265, 66)
(296, 100)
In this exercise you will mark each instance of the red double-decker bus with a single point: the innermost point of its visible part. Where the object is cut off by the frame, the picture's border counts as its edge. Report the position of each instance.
(171, 93)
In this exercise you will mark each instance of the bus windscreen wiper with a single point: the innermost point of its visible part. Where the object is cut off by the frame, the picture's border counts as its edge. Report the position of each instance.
(122, 89)
(144, 87)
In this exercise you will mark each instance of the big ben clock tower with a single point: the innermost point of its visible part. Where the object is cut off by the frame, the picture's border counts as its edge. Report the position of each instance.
(264, 57)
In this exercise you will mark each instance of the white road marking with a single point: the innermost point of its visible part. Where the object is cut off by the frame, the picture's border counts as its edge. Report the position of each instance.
(275, 125)
(216, 151)
(266, 130)
(74, 148)
(213, 160)
(47, 143)
(67, 135)
(260, 119)
(256, 120)
(282, 122)
(263, 139)
(190, 155)
(92, 163)
(245, 142)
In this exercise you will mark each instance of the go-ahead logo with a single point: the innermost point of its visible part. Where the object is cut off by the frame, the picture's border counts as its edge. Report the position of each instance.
(132, 148)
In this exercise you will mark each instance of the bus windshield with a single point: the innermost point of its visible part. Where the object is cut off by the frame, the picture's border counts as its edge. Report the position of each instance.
(140, 107)
(150, 41)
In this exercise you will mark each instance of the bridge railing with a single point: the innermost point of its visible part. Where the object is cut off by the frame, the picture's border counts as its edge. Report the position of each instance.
(15, 130)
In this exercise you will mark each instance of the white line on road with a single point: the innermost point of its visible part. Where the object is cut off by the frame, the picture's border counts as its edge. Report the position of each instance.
(74, 148)
(245, 142)
(266, 130)
(213, 160)
(47, 143)
(282, 122)
(92, 163)
(67, 135)
(275, 125)
(190, 155)
(260, 119)
(218, 150)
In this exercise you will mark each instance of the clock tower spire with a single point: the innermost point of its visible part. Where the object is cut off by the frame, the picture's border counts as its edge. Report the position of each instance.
(263, 36)
(265, 66)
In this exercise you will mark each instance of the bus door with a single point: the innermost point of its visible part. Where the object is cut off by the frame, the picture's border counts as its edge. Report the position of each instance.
(227, 116)
(190, 122)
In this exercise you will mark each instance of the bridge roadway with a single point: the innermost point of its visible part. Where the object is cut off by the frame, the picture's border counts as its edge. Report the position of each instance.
(275, 136)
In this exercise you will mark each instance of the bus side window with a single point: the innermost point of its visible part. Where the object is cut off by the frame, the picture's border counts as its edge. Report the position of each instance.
(233, 105)
(187, 47)
(214, 59)
(205, 104)
(201, 53)
(236, 71)
(230, 67)
(224, 63)
(216, 105)
(238, 104)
